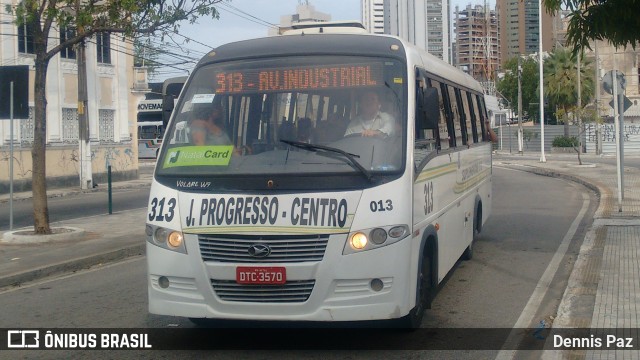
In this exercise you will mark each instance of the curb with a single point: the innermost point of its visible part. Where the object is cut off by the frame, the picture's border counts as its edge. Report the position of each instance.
(555, 174)
(57, 233)
(70, 266)
(55, 193)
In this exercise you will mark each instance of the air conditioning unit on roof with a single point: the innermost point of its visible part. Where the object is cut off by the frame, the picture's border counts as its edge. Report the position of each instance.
(326, 27)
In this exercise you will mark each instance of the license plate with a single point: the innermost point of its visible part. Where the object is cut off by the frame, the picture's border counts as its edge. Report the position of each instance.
(273, 275)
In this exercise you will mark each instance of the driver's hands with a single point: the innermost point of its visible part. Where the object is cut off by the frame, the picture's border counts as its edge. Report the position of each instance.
(371, 133)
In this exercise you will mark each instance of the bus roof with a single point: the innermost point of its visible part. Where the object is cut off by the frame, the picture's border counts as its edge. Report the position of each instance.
(306, 44)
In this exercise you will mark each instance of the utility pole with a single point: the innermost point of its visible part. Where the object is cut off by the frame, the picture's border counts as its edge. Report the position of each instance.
(597, 97)
(83, 138)
(84, 142)
(579, 108)
(520, 132)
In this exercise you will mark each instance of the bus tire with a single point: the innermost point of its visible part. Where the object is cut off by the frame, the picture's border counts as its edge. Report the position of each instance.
(413, 320)
(468, 252)
(477, 226)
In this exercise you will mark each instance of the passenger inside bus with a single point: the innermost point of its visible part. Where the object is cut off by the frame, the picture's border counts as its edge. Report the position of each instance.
(371, 121)
(207, 126)
(331, 130)
(305, 130)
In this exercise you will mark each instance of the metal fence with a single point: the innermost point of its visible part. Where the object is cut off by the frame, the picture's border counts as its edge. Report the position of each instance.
(508, 138)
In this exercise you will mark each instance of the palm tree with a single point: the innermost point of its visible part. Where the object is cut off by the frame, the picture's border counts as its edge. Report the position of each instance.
(561, 83)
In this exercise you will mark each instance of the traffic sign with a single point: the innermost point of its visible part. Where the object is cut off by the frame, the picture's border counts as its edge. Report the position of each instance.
(607, 81)
(19, 75)
(625, 107)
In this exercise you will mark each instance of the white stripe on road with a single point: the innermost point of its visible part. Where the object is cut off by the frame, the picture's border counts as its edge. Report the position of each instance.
(530, 310)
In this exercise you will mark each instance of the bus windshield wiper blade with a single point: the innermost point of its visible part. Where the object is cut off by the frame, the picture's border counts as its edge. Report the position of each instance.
(349, 156)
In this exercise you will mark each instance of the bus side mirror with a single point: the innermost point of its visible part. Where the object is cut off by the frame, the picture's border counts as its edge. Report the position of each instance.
(431, 108)
(168, 103)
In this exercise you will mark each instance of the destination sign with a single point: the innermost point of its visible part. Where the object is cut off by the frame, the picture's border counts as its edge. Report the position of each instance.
(299, 78)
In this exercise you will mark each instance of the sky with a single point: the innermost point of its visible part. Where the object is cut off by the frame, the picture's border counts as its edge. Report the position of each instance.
(247, 19)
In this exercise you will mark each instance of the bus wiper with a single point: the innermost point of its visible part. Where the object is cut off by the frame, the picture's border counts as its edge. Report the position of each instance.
(349, 156)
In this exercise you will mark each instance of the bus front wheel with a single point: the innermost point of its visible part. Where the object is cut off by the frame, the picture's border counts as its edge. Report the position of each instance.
(425, 290)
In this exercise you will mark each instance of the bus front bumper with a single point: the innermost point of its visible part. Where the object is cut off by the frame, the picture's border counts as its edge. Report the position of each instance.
(355, 287)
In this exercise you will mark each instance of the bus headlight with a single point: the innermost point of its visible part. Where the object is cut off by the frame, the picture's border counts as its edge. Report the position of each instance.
(166, 238)
(358, 241)
(174, 239)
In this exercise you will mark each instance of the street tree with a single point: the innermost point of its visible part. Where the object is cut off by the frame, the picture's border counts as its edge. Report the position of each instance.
(508, 86)
(560, 83)
(131, 18)
(614, 20)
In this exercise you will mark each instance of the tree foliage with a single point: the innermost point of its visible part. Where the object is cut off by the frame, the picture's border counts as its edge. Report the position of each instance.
(508, 86)
(561, 83)
(131, 18)
(617, 21)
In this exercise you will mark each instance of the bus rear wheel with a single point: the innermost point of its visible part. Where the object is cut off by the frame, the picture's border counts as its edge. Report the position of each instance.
(477, 226)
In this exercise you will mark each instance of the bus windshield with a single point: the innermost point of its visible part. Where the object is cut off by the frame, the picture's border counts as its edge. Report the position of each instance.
(250, 118)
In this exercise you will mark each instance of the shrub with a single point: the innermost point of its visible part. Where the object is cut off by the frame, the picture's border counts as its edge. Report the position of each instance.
(565, 141)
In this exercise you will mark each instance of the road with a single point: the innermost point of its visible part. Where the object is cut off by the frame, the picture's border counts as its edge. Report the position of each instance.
(533, 218)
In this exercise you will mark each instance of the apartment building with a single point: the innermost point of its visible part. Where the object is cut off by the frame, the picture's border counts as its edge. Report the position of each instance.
(424, 23)
(518, 28)
(477, 47)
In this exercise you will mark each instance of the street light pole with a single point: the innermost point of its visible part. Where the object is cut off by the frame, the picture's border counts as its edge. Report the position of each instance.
(543, 159)
(520, 140)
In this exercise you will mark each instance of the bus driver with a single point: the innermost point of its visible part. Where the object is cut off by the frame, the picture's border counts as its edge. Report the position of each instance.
(371, 121)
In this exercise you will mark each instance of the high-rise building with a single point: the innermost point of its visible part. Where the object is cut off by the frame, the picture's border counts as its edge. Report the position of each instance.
(477, 47)
(424, 23)
(373, 15)
(519, 33)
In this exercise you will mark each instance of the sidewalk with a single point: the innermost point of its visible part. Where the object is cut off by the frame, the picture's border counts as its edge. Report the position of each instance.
(603, 289)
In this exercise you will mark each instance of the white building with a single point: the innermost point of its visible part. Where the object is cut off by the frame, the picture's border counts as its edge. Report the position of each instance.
(425, 23)
(305, 12)
(111, 109)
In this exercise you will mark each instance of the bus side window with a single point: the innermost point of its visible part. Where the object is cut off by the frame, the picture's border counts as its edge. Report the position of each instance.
(445, 126)
(473, 112)
(455, 115)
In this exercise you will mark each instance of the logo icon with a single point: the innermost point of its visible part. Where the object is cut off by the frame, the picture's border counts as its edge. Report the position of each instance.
(22, 339)
(173, 157)
(259, 250)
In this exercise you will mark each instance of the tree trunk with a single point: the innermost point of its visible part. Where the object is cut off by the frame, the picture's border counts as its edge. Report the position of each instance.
(38, 152)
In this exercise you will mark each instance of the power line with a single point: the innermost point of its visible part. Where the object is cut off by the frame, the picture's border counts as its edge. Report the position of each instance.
(247, 16)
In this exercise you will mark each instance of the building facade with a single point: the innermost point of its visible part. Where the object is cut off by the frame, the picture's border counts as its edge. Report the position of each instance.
(626, 61)
(424, 23)
(518, 28)
(477, 50)
(111, 110)
(305, 12)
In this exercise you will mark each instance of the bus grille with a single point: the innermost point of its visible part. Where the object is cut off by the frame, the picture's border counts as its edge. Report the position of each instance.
(290, 292)
(284, 248)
